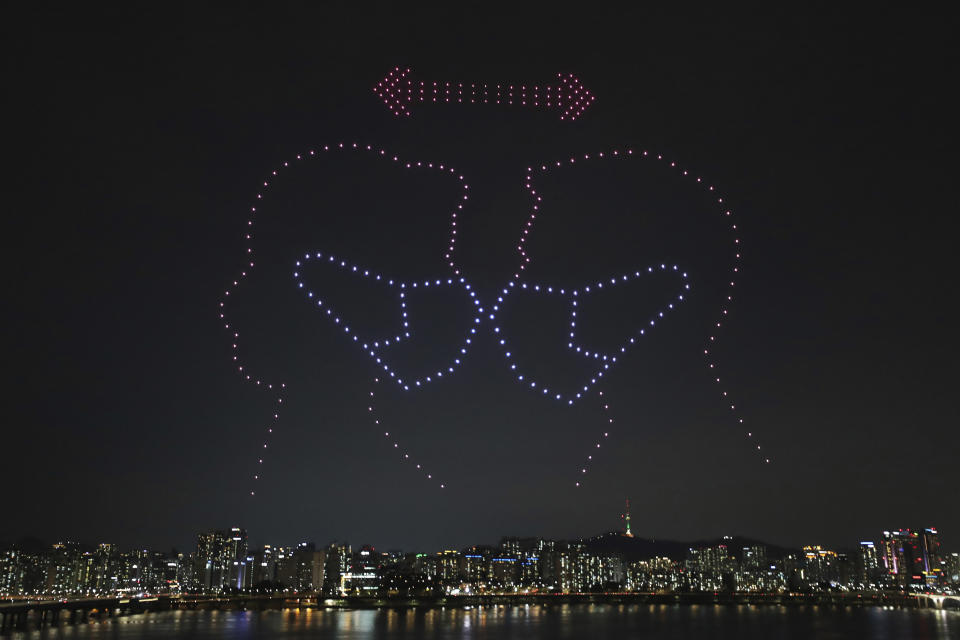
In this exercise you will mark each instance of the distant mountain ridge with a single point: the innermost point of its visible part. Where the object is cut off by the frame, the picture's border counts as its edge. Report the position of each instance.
(643, 548)
(612, 542)
(31, 544)
(26, 544)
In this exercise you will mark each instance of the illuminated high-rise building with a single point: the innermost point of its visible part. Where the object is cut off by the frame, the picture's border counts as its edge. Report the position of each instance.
(264, 565)
(933, 566)
(568, 569)
(503, 570)
(11, 573)
(708, 567)
(475, 564)
(754, 558)
(63, 564)
(186, 566)
(930, 541)
(336, 565)
(286, 568)
(952, 568)
(519, 561)
(911, 557)
(448, 566)
(510, 546)
(221, 560)
(310, 567)
(892, 556)
(868, 563)
(362, 576)
(821, 565)
(757, 572)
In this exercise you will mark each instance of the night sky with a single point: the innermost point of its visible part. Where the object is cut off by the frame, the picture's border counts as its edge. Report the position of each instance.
(137, 143)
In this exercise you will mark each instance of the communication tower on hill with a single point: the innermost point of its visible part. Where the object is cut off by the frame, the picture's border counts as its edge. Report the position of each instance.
(626, 517)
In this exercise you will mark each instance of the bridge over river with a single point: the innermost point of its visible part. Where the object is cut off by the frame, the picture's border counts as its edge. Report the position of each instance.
(34, 614)
(939, 601)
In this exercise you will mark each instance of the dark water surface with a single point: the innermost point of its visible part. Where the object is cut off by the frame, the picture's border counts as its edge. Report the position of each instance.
(623, 622)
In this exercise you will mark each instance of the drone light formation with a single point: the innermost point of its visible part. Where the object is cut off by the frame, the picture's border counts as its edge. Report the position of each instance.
(734, 270)
(234, 334)
(374, 347)
(398, 91)
(575, 296)
(402, 454)
(604, 434)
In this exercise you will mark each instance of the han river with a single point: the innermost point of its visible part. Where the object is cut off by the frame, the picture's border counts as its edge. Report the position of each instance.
(515, 622)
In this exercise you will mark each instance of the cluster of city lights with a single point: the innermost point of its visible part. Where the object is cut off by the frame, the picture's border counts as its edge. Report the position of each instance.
(398, 90)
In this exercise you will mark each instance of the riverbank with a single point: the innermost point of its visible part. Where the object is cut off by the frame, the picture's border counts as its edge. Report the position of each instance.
(879, 599)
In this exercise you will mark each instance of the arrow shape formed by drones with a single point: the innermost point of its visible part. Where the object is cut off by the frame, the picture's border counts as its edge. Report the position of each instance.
(399, 91)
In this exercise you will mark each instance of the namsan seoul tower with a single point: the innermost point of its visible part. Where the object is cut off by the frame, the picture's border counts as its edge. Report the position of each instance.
(626, 517)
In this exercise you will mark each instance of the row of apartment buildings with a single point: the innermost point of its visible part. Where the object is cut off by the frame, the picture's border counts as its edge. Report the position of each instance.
(223, 563)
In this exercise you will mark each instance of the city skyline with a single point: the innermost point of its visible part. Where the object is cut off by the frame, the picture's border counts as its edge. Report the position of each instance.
(626, 531)
(144, 139)
(224, 562)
